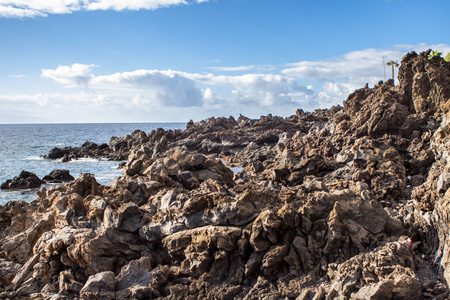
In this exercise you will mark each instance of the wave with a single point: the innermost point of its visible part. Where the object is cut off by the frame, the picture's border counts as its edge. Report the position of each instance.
(34, 157)
(83, 160)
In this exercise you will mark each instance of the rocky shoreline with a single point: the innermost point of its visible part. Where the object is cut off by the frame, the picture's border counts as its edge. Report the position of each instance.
(345, 203)
(27, 180)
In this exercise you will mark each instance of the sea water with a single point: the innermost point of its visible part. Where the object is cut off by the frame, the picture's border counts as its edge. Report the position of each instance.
(22, 148)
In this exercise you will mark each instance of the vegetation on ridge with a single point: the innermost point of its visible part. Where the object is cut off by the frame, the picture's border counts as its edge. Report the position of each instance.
(393, 64)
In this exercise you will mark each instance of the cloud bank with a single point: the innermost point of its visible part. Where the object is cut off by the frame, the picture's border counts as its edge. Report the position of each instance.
(341, 75)
(171, 95)
(71, 76)
(243, 68)
(181, 89)
(42, 8)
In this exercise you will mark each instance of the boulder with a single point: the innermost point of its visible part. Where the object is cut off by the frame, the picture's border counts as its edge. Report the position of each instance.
(100, 286)
(26, 180)
(58, 176)
(136, 273)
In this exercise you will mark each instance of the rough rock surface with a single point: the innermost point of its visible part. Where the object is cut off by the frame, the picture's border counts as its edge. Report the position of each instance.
(26, 180)
(346, 203)
(58, 176)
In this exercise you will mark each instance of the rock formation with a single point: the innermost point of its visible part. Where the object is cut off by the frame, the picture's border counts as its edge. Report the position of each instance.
(58, 176)
(345, 203)
(26, 180)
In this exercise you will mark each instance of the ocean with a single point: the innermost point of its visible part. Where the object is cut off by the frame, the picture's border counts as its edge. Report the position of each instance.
(21, 148)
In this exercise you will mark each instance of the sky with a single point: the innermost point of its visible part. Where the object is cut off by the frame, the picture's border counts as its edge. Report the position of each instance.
(114, 61)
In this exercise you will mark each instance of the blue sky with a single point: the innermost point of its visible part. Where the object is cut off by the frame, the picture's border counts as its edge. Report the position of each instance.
(176, 60)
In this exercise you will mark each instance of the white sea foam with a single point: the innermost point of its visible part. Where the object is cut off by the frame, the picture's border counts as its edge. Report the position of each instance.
(21, 147)
(84, 160)
(33, 158)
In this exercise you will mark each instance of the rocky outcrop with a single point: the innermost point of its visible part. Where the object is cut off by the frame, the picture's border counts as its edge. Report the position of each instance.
(58, 176)
(26, 180)
(87, 150)
(345, 203)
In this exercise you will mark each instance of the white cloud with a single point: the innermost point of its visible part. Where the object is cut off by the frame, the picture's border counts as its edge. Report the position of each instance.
(423, 47)
(358, 66)
(41, 99)
(18, 76)
(169, 95)
(180, 89)
(166, 87)
(339, 90)
(71, 76)
(15, 12)
(260, 89)
(26, 101)
(33, 8)
(341, 75)
(30, 8)
(119, 5)
(213, 99)
(243, 68)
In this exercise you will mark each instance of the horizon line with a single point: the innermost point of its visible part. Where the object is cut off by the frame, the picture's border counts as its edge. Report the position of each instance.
(78, 123)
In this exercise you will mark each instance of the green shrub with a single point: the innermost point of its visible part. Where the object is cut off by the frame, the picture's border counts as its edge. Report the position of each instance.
(434, 53)
(447, 57)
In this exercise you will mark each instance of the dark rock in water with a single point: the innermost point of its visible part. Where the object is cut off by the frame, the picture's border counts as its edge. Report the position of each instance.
(26, 180)
(69, 157)
(89, 145)
(56, 153)
(58, 176)
(92, 150)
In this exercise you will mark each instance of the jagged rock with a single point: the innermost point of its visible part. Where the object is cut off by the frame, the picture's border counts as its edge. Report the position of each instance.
(101, 285)
(58, 176)
(273, 258)
(8, 270)
(85, 185)
(55, 153)
(316, 211)
(102, 251)
(443, 183)
(378, 291)
(136, 273)
(26, 180)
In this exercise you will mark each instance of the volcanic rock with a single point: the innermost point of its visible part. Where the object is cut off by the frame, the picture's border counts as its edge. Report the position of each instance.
(26, 180)
(343, 203)
(58, 176)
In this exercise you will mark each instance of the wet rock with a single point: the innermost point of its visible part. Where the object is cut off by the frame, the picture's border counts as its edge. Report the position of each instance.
(26, 180)
(56, 153)
(58, 176)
